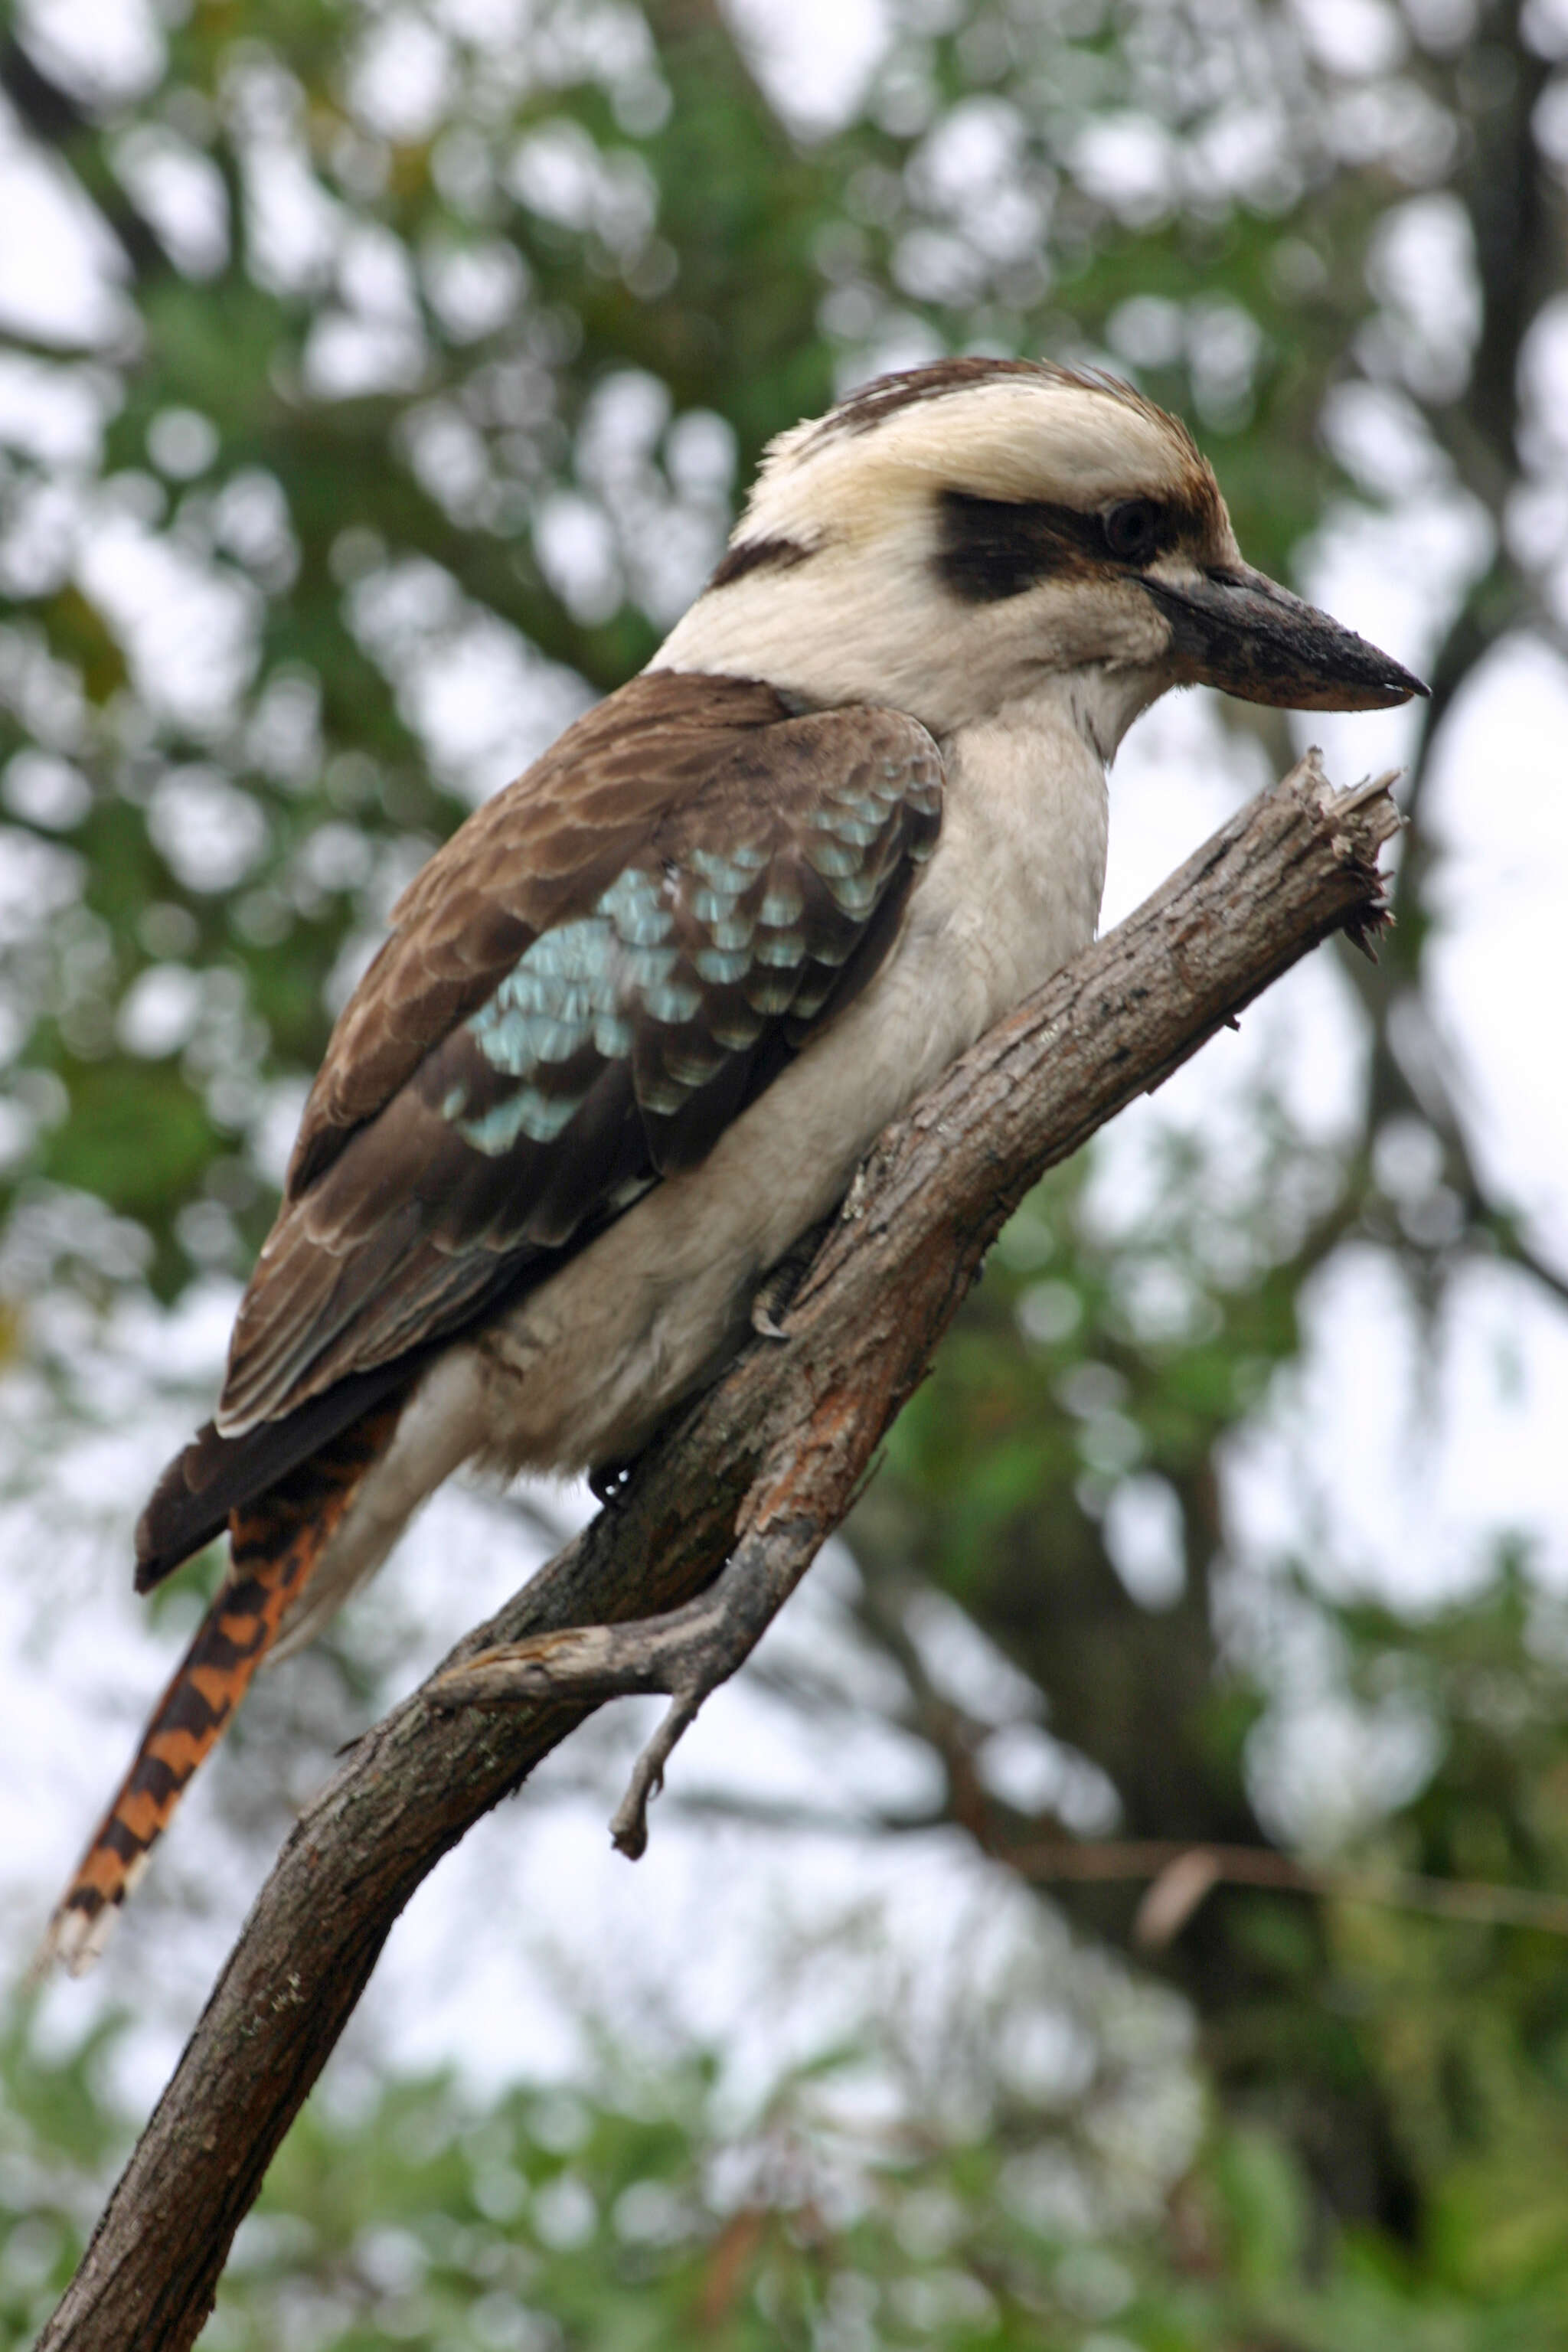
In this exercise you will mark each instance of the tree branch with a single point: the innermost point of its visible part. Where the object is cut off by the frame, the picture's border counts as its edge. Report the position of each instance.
(765, 1467)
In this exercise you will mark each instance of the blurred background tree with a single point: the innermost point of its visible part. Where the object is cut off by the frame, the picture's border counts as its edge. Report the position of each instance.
(380, 382)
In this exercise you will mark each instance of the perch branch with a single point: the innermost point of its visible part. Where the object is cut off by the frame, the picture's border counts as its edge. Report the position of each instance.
(761, 1469)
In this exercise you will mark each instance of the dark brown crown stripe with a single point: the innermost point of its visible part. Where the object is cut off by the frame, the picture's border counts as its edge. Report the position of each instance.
(864, 410)
(874, 404)
(758, 555)
(274, 1546)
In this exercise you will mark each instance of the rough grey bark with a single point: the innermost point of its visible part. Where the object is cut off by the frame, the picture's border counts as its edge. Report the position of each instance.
(757, 1473)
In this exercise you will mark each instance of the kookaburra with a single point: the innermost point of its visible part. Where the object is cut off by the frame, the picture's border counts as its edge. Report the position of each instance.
(638, 1021)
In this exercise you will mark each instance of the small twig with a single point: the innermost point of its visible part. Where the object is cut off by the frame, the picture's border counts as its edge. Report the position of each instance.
(1203, 1867)
(628, 1825)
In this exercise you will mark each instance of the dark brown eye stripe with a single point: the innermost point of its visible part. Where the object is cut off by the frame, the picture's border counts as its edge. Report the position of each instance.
(991, 548)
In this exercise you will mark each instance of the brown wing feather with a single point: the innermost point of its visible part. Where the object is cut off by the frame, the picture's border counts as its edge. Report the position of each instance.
(537, 853)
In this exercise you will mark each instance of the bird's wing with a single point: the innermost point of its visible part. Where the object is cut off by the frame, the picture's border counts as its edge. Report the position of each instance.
(602, 968)
(537, 855)
(579, 997)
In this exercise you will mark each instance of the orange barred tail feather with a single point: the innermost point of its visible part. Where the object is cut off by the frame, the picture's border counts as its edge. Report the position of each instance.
(274, 1545)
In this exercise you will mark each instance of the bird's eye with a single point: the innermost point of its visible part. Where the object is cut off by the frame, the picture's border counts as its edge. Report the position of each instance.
(1131, 529)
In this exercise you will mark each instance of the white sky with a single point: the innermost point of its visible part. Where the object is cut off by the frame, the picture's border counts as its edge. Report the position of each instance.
(1341, 1453)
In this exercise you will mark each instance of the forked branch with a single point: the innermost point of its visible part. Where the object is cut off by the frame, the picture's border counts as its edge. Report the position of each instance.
(756, 1474)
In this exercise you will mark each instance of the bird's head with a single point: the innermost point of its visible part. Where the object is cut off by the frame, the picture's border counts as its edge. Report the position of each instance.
(950, 539)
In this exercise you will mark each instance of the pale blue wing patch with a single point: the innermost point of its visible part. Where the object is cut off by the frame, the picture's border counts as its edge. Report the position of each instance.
(684, 960)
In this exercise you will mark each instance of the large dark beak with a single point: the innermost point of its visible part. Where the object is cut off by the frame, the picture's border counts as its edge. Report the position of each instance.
(1238, 630)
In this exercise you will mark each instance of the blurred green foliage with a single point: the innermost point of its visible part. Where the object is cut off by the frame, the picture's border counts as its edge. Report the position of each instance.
(428, 379)
(643, 2211)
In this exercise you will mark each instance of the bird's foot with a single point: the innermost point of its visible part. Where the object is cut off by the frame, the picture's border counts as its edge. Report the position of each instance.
(686, 1655)
(775, 1292)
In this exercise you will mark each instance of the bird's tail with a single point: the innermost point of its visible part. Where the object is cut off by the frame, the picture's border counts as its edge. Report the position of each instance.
(274, 1546)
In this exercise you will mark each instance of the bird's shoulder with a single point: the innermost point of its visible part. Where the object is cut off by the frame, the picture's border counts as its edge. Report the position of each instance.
(687, 759)
(542, 851)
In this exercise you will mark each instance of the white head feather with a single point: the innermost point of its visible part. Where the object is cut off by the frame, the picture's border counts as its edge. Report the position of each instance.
(832, 588)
